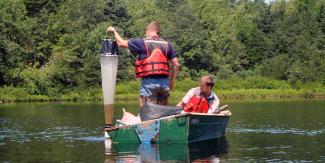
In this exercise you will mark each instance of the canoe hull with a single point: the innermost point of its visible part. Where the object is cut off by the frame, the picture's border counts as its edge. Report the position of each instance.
(184, 128)
(206, 127)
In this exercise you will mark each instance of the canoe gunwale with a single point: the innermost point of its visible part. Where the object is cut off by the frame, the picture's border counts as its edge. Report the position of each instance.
(168, 117)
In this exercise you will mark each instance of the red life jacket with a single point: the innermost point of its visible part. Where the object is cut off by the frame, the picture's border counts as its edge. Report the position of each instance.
(156, 62)
(197, 104)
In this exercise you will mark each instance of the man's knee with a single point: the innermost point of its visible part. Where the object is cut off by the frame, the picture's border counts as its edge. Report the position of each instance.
(162, 98)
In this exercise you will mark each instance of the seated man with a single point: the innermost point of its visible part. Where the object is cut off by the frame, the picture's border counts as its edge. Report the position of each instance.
(201, 99)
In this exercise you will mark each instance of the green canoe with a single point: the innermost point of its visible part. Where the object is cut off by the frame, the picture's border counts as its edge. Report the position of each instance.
(181, 128)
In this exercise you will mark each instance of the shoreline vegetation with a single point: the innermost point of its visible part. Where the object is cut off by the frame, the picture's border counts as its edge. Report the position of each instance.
(49, 50)
(231, 89)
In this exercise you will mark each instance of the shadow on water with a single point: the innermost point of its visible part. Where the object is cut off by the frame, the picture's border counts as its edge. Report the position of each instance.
(210, 150)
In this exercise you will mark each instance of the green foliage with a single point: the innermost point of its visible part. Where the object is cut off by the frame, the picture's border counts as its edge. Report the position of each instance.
(10, 94)
(232, 88)
(131, 87)
(51, 47)
(236, 82)
(34, 81)
(276, 67)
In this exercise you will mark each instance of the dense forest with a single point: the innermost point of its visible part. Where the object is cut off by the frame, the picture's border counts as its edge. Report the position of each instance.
(49, 47)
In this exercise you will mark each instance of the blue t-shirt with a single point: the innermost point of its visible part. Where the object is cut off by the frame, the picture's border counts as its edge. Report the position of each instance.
(137, 47)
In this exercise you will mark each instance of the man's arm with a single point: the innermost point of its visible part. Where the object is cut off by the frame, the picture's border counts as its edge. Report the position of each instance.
(175, 70)
(214, 106)
(119, 40)
(186, 98)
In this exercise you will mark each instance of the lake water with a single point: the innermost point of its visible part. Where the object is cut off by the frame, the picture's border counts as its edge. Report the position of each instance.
(291, 130)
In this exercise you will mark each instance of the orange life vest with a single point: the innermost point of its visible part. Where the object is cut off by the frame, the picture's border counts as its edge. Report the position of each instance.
(156, 62)
(197, 104)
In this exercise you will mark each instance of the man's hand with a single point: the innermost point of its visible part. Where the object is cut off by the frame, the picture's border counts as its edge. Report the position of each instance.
(110, 29)
(180, 104)
(119, 40)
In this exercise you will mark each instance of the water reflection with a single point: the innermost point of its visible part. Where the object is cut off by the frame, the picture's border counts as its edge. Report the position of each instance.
(278, 131)
(213, 150)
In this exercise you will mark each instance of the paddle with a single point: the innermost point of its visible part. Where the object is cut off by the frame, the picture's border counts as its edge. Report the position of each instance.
(221, 108)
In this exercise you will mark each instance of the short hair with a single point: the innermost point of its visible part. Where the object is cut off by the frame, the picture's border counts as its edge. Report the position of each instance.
(154, 26)
(208, 80)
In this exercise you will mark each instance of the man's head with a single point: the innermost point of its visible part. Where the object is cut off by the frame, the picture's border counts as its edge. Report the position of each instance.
(153, 29)
(206, 84)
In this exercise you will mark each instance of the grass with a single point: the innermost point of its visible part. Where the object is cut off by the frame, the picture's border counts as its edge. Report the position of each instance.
(234, 88)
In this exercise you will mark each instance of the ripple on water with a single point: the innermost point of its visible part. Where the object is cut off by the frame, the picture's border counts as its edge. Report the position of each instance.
(92, 138)
(16, 133)
(280, 152)
(278, 147)
(278, 131)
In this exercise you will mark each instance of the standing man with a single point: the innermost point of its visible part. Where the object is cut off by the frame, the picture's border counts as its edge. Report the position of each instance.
(152, 65)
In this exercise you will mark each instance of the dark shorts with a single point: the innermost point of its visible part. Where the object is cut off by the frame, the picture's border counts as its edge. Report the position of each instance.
(155, 90)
